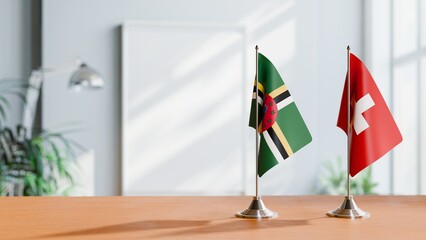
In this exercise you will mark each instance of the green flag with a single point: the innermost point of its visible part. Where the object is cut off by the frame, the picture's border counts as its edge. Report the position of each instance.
(281, 127)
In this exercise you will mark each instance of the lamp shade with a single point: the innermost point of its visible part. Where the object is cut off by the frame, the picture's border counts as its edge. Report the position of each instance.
(86, 77)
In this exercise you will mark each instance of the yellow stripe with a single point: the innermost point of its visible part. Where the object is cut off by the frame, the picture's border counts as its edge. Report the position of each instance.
(278, 91)
(261, 88)
(259, 128)
(282, 138)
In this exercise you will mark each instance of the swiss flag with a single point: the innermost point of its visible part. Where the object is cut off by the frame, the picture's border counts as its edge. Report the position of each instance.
(373, 130)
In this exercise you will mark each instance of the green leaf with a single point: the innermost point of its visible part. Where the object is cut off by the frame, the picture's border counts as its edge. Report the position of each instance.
(4, 101)
(47, 160)
(2, 113)
(30, 182)
(20, 95)
(335, 177)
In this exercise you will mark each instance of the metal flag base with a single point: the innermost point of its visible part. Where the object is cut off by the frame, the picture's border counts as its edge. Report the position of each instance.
(257, 209)
(349, 209)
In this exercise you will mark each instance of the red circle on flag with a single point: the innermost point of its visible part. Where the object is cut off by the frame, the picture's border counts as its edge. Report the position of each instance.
(270, 114)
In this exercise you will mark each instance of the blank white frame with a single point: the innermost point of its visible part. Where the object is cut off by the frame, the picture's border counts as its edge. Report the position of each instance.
(141, 25)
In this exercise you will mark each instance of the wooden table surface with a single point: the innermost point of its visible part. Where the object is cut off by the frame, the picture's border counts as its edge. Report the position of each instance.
(300, 217)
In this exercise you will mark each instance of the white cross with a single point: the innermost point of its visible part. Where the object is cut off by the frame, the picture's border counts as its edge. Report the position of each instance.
(363, 104)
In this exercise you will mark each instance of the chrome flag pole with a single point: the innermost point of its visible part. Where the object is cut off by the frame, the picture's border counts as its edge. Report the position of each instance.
(257, 208)
(348, 209)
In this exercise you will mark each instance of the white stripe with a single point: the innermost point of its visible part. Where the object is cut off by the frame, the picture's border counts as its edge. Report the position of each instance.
(259, 99)
(272, 146)
(285, 102)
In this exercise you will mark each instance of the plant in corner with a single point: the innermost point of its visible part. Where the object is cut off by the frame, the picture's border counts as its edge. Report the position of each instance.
(334, 180)
(33, 166)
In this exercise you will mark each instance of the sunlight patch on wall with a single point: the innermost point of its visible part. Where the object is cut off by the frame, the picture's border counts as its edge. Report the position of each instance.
(216, 44)
(283, 36)
(187, 132)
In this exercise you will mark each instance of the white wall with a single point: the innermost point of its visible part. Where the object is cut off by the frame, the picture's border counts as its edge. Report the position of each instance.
(15, 47)
(339, 24)
(305, 39)
(378, 57)
(399, 75)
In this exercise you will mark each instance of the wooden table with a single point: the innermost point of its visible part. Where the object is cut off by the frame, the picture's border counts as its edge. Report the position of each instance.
(300, 217)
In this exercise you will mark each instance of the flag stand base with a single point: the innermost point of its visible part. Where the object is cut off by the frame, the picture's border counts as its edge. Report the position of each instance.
(257, 209)
(349, 209)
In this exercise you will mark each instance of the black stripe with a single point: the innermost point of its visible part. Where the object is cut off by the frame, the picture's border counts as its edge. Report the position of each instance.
(261, 114)
(277, 142)
(260, 92)
(282, 96)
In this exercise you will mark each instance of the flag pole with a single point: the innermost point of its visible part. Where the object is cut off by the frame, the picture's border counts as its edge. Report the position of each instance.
(348, 209)
(257, 208)
(257, 122)
(348, 184)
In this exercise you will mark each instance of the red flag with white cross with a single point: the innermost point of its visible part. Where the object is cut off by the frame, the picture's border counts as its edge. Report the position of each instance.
(373, 131)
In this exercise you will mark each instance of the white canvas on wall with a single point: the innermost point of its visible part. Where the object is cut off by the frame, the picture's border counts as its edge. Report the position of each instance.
(183, 109)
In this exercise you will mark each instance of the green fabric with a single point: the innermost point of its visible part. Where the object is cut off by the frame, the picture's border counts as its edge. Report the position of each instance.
(266, 158)
(293, 127)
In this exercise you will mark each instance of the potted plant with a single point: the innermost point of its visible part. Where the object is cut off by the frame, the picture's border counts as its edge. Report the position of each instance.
(333, 181)
(33, 165)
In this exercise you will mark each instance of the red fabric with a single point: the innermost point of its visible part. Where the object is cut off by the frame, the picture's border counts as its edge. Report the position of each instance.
(382, 133)
(271, 112)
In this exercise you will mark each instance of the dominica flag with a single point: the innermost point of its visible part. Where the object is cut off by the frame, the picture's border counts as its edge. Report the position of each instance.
(281, 127)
